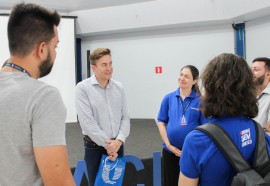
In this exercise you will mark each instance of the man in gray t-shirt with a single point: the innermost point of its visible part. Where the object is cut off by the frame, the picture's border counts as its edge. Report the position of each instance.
(32, 118)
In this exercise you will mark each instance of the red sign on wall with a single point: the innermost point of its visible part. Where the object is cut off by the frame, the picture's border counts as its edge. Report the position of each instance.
(158, 69)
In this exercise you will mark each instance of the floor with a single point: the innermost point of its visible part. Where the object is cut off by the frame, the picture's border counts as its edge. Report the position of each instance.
(144, 139)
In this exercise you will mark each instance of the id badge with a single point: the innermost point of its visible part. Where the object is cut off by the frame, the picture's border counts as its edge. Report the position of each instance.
(183, 121)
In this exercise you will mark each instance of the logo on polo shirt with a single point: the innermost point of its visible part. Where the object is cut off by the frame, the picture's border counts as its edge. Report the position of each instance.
(193, 108)
(246, 137)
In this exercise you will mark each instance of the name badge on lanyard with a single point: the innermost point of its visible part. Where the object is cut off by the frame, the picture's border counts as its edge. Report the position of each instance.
(183, 119)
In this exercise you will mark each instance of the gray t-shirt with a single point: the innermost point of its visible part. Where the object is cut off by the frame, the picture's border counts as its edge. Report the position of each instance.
(32, 115)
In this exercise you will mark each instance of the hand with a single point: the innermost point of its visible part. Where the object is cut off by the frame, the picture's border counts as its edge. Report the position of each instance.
(174, 150)
(112, 156)
(113, 146)
(267, 128)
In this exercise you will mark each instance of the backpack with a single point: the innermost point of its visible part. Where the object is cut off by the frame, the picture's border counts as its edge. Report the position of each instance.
(256, 175)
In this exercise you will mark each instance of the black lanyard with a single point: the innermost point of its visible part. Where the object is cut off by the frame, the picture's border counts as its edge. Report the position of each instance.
(184, 109)
(12, 65)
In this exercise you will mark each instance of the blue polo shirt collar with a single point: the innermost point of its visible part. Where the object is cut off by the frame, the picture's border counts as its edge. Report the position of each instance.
(192, 94)
(227, 118)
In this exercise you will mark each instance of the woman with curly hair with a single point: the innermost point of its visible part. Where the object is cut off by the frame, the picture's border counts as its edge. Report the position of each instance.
(229, 102)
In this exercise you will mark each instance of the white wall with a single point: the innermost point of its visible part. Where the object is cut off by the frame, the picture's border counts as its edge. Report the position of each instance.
(136, 55)
(257, 38)
(167, 14)
(4, 51)
(168, 33)
(63, 73)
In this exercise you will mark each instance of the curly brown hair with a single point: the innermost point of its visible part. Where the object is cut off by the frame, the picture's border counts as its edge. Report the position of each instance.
(229, 88)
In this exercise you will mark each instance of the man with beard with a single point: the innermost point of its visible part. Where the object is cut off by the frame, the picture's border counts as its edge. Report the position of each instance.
(32, 118)
(261, 71)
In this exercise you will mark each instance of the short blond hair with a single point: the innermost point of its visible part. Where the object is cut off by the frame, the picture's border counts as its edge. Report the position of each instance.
(98, 53)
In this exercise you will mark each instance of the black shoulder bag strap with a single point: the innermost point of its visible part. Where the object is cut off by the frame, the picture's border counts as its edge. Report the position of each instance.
(231, 152)
(225, 145)
(261, 157)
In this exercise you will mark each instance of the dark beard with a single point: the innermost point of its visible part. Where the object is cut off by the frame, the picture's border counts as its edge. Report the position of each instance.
(260, 80)
(46, 66)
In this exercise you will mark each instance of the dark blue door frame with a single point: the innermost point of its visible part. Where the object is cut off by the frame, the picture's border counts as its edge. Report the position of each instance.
(240, 39)
(78, 61)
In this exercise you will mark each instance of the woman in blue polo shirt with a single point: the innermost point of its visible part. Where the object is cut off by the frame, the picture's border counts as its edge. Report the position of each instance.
(229, 101)
(178, 115)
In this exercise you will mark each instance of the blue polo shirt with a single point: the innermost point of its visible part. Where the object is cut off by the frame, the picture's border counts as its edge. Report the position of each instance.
(171, 113)
(201, 158)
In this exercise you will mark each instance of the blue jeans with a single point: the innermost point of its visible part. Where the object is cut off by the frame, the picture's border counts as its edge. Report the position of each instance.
(92, 157)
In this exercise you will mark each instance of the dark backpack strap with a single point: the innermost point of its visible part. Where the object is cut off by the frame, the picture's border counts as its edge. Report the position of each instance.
(261, 153)
(261, 161)
(225, 145)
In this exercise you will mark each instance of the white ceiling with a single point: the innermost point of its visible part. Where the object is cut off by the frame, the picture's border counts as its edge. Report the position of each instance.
(70, 5)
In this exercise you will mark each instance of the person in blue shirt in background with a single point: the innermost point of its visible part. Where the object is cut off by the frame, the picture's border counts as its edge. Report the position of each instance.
(178, 115)
(230, 102)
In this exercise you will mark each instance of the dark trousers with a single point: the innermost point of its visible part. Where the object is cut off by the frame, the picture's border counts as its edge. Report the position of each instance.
(92, 157)
(170, 168)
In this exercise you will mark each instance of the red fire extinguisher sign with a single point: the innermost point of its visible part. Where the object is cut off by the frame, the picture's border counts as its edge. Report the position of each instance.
(158, 69)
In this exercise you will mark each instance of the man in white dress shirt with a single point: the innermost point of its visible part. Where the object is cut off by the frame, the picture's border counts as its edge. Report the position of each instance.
(103, 113)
